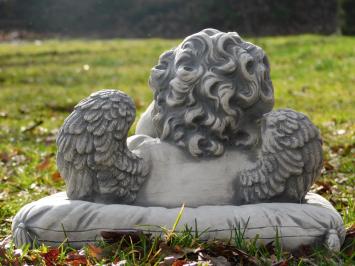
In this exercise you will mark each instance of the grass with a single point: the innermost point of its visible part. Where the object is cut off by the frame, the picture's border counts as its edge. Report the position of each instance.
(41, 81)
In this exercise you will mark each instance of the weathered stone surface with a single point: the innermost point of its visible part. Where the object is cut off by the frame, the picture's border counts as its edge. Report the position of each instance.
(210, 140)
(313, 223)
(214, 128)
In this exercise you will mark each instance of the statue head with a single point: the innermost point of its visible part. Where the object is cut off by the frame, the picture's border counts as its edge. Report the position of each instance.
(206, 88)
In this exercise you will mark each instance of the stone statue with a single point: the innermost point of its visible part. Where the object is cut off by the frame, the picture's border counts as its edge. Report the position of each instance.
(212, 94)
(209, 140)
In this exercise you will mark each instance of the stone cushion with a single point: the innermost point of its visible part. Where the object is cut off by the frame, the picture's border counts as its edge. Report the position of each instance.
(51, 219)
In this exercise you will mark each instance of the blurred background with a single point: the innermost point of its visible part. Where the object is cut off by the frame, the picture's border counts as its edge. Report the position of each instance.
(174, 18)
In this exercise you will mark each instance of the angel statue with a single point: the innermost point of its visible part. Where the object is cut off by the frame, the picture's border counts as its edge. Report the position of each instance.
(210, 136)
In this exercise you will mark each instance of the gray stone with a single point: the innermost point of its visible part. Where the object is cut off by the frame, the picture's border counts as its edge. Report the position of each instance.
(209, 140)
(214, 128)
(54, 219)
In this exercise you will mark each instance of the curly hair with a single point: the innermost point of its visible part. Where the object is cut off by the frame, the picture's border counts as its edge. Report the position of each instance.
(205, 88)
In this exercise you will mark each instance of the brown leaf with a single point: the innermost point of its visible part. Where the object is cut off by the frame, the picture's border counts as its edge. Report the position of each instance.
(4, 157)
(44, 164)
(76, 259)
(328, 166)
(51, 256)
(322, 187)
(94, 251)
(179, 263)
(169, 251)
(281, 263)
(56, 176)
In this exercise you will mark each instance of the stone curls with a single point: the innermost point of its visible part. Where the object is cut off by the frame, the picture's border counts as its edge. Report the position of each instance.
(203, 87)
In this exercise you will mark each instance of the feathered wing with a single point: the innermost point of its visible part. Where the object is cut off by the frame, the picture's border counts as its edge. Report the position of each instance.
(92, 152)
(289, 161)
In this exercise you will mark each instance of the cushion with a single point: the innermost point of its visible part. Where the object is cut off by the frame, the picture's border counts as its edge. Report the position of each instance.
(51, 219)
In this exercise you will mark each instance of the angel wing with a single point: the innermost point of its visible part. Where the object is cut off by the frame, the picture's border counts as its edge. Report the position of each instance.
(92, 152)
(289, 161)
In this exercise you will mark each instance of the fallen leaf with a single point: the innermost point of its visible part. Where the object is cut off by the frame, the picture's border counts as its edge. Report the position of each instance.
(94, 251)
(75, 259)
(56, 176)
(169, 251)
(169, 260)
(51, 257)
(328, 166)
(179, 263)
(281, 263)
(44, 164)
(4, 157)
(322, 187)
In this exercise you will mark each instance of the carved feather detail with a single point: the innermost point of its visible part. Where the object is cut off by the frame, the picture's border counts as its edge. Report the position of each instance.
(289, 161)
(92, 152)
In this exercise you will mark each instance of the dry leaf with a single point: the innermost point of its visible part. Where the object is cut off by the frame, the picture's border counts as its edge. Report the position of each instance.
(56, 176)
(75, 259)
(328, 166)
(322, 187)
(94, 251)
(51, 257)
(4, 157)
(281, 263)
(169, 251)
(44, 164)
(179, 263)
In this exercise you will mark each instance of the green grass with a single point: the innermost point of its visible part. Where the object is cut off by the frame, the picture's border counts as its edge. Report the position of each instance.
(40, 82)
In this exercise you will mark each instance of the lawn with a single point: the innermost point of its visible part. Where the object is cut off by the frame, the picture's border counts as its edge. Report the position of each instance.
(41, 81)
